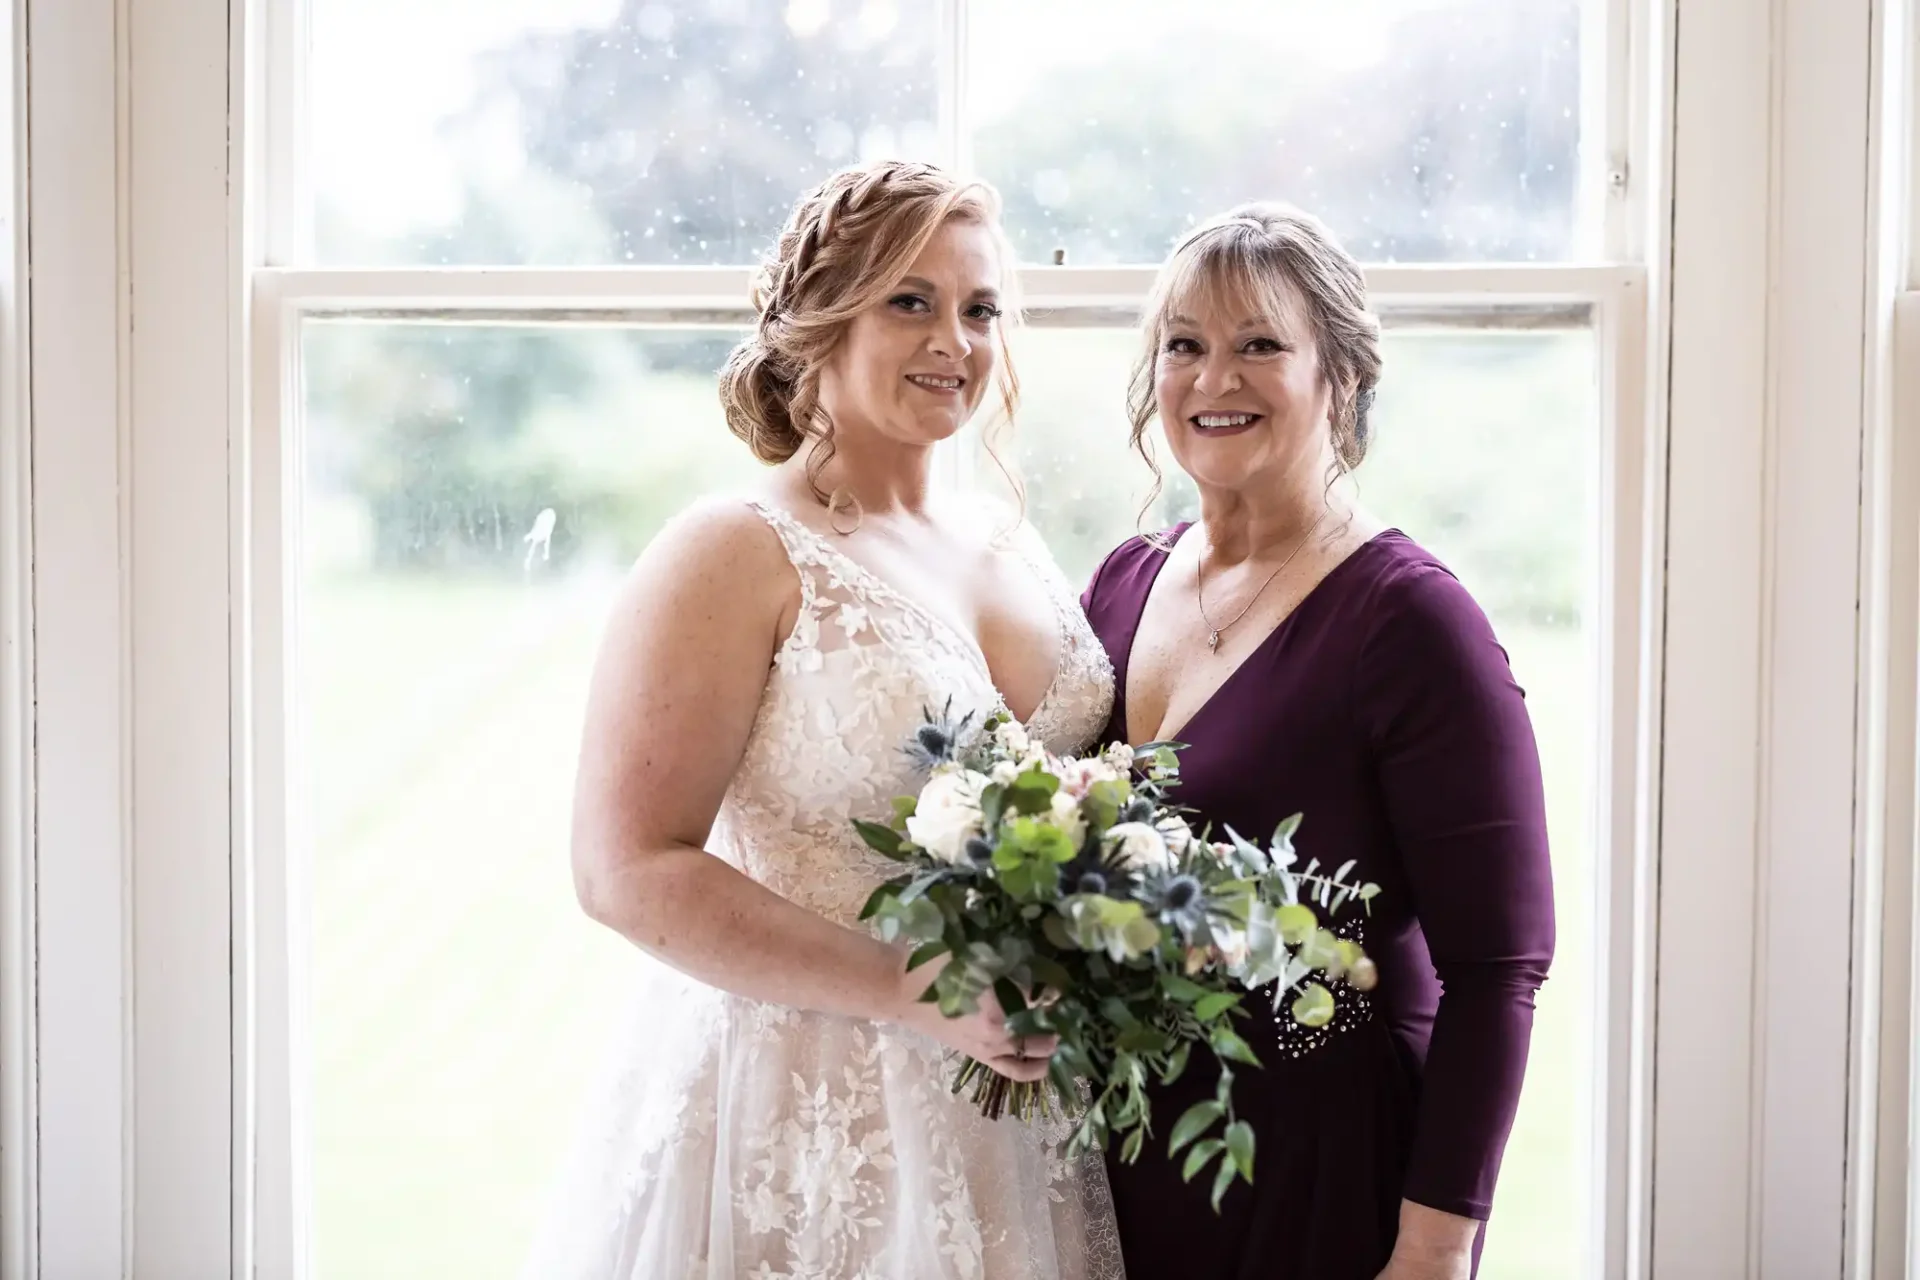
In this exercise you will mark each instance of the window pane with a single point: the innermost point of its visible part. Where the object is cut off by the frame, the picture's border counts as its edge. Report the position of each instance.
(1421, 130)
(1485, 448)
(589, 131)
(459, 996)
(592, 131)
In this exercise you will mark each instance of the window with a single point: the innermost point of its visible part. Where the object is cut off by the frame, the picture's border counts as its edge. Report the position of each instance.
(469, 457)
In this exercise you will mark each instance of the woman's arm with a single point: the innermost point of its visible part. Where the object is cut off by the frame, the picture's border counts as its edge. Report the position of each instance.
(1460, 775)
(674, 694)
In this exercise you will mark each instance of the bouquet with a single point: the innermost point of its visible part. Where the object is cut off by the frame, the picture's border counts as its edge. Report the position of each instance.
(1082, 898)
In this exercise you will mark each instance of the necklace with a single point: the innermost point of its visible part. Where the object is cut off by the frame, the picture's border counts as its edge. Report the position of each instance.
(1199, 585)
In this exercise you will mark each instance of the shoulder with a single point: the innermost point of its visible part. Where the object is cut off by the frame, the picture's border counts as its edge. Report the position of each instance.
(1409, 585)
(1421, 626)
(726, 550)
(1140, 555)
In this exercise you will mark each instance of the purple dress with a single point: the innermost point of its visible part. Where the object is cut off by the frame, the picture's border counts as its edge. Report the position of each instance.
(1384, 710)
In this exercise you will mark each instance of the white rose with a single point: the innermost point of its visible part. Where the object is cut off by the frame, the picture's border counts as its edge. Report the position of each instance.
(1141, 848)
(1078, 777)
(1005, 772)
(1177, 833)
(1064, 812)
(948, 814)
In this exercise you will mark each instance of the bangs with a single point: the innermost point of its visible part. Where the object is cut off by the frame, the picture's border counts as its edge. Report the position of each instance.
(1226, 272)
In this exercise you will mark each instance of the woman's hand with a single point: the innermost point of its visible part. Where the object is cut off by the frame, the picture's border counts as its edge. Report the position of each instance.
(982, 1035)
(1432, 1245)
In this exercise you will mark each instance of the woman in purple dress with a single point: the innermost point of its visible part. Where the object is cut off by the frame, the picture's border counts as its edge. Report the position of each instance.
(1315, 661)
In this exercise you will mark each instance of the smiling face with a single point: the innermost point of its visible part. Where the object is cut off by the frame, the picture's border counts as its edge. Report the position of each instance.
(1238, 383)
(913, 367)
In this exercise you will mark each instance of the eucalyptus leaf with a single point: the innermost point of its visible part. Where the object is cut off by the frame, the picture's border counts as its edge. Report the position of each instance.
(1140, 936)
(1314, 1008)
(1296, 923)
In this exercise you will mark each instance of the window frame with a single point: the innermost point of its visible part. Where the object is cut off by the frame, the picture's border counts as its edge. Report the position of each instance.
(146, 173)
(1886, 1067)
(18, 1213)
(1622, 109)
(1611, 300)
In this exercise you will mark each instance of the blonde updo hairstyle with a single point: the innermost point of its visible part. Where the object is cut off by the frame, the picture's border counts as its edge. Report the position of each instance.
(846, 247)
(1275, 260)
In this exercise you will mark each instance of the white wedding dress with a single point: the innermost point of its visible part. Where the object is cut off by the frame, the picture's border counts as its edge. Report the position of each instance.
(741, 1139)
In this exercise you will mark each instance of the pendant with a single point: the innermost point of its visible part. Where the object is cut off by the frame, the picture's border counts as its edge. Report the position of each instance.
(1213, 641)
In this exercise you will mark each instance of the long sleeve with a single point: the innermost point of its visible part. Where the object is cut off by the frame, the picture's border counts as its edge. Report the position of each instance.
(1459, 774)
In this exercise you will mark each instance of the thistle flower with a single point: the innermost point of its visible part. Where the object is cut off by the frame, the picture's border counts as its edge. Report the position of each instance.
(1179, 900)
(938, 740)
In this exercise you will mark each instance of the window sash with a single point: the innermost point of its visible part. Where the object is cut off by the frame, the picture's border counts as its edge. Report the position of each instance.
(1478, 296)
(1620, 117)
(1612, 299)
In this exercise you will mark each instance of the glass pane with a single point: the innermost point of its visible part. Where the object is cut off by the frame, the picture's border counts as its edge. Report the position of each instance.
(593, 131)
(1485, 449)
(1421, 130)
(473, 494)
(459, 996)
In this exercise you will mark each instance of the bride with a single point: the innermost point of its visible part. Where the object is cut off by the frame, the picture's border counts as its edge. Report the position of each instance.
(779, 1105)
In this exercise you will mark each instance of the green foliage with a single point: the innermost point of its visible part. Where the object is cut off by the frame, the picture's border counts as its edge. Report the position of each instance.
(1129, 979)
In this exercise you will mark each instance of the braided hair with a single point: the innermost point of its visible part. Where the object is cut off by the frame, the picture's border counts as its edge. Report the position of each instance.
(844, 249)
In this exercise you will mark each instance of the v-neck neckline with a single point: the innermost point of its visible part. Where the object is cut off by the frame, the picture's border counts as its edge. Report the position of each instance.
(1124, 668)
(954, 631)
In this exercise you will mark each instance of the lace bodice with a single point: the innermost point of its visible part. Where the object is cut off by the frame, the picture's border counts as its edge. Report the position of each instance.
(848, 688)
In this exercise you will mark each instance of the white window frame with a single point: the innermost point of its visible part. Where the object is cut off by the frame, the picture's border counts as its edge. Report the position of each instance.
(153, 869)
(1887, 1063)
(19, 1213)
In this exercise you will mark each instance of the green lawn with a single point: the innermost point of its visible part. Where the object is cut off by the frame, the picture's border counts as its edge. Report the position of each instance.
(461, 1002)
